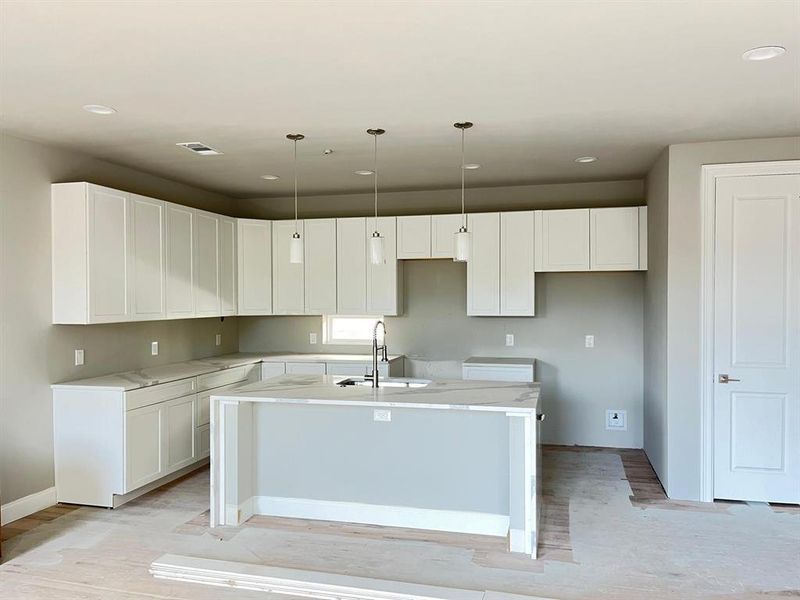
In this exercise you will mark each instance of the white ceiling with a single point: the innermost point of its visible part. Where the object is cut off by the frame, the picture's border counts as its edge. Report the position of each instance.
(543, 81)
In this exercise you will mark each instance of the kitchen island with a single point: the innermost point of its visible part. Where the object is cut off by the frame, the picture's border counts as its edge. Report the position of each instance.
(457, 456)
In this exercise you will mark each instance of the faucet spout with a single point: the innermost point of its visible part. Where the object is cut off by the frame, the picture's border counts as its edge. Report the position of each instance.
(375, 349)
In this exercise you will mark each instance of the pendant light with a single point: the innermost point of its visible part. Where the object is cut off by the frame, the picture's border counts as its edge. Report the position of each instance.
(462, 238)
(296, 244)
(377, 254)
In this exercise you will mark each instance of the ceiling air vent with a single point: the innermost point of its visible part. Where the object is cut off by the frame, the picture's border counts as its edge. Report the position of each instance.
(199, 148)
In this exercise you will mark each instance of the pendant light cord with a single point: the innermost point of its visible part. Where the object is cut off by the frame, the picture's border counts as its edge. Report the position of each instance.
(463, 212)
(375, 172)
(295, 187)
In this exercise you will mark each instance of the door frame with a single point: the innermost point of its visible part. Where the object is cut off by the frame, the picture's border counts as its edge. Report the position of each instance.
(709, 176)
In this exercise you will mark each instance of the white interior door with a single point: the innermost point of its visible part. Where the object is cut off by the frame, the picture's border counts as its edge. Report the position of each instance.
(757, 338)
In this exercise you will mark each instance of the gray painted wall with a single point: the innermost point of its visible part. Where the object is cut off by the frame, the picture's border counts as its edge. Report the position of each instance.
(579, 384)
(520, 197)
(655, 318)
(34, 353)
(681, 422)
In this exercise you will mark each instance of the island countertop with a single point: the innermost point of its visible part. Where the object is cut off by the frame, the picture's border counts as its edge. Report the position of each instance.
(495, 396)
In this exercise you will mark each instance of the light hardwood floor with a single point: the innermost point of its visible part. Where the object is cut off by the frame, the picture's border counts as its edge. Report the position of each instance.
(608, 532)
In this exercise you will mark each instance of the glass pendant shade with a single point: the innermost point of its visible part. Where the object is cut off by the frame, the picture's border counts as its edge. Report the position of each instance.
(462, 245)
(377, 254)
(296, 249)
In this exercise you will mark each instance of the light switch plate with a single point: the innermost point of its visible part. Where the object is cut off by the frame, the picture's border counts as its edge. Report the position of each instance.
(218, 339)
(617, 420)
(381, 414)
(312, 338)
(589, 341)
(78, 357)
(154, 348)
(509, 339)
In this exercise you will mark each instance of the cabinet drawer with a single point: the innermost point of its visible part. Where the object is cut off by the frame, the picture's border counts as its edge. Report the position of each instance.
(159, 393)
(303, 368)
(226, 377)
(509, 373)
(203, 441)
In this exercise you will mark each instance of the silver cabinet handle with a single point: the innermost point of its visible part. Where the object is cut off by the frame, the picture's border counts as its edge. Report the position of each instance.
(725, 378)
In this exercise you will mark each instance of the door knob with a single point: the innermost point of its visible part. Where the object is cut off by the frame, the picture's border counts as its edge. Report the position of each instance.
(725, 378)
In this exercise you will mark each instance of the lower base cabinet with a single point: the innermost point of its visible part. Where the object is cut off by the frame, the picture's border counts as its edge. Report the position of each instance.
(144, 446)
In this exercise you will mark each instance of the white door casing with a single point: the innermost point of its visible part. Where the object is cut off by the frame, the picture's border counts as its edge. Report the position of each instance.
(756, 338)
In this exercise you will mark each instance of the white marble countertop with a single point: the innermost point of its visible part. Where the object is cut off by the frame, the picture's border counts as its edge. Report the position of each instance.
(140, 378)
(497, 396)
(495, 361)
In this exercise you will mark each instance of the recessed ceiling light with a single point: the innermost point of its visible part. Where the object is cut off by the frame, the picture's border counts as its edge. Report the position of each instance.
(99, 109)
(471, 166)
(364, 172)
(199, 148)
(585, 159)
(764, 52)
(270, 177)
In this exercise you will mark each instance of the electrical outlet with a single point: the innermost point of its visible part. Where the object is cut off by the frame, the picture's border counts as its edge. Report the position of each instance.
(78, 357)
(380, 414)
(509, 339)
(218, 339)
(154, 348)
(589, 342)
(312, 338)
(617, 420)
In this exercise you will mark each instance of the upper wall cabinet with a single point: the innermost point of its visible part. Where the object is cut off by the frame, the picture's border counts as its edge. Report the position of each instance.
(227, 265)
(254, 259)
(384, 281)
(443, 231)
(414, 237)
(614, 239)
(206, 264)
(483, 267)
(320, 266)
(562, 240)
(91, 254)
(351, 266)
(148, 222)
(288, 279)
(180, 261)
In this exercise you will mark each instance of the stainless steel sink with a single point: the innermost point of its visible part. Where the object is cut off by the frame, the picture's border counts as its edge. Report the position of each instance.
(394, 382)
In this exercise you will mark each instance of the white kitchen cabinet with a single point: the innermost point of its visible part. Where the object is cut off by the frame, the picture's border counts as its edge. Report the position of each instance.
(179, 416)
(443, 231)
(91, 254)
(206, 264)
(148, 237)
(144, 446)
(643, 238)
(483, 267)
(227, 266)
(272, 369)
(305, 368)
(351, 266)
(203, 441)
(517, 277)
(384, 288)
(499, 369)
(562, 240)
(414, 237)
(320, 266)
(614, 239)
(180, 261)
(288, 279)
(254, 260)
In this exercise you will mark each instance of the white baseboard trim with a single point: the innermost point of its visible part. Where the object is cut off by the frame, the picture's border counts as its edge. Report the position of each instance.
(389, 516)
(308, 584)
(18, 509)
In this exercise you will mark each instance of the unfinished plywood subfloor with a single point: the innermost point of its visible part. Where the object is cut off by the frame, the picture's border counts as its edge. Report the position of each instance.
(606, 535)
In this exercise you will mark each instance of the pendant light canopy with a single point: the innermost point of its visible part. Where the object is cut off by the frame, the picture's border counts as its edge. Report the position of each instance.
(462, 237)
(296, 243)
(377, 253)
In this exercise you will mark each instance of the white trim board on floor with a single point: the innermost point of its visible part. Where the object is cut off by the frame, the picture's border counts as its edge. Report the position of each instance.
(308, 584)
(459, 521)
(27, 505)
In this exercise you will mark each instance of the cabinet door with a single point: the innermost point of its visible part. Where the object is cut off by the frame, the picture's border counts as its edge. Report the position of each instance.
(288, 293)
(562, 240)
(272, 369)
(320, 266)
(203, 441)
(179, 415)
(414, 237)
(443, 231)
(206, 264)
(517, 278)
(254, 257)
(227, 266)
(614, 239)
(383, 281)
(483, 267)
(643, 238)
(145, 459)
(149, 258)
(351, 266)
(109, 255)
(180, 261)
